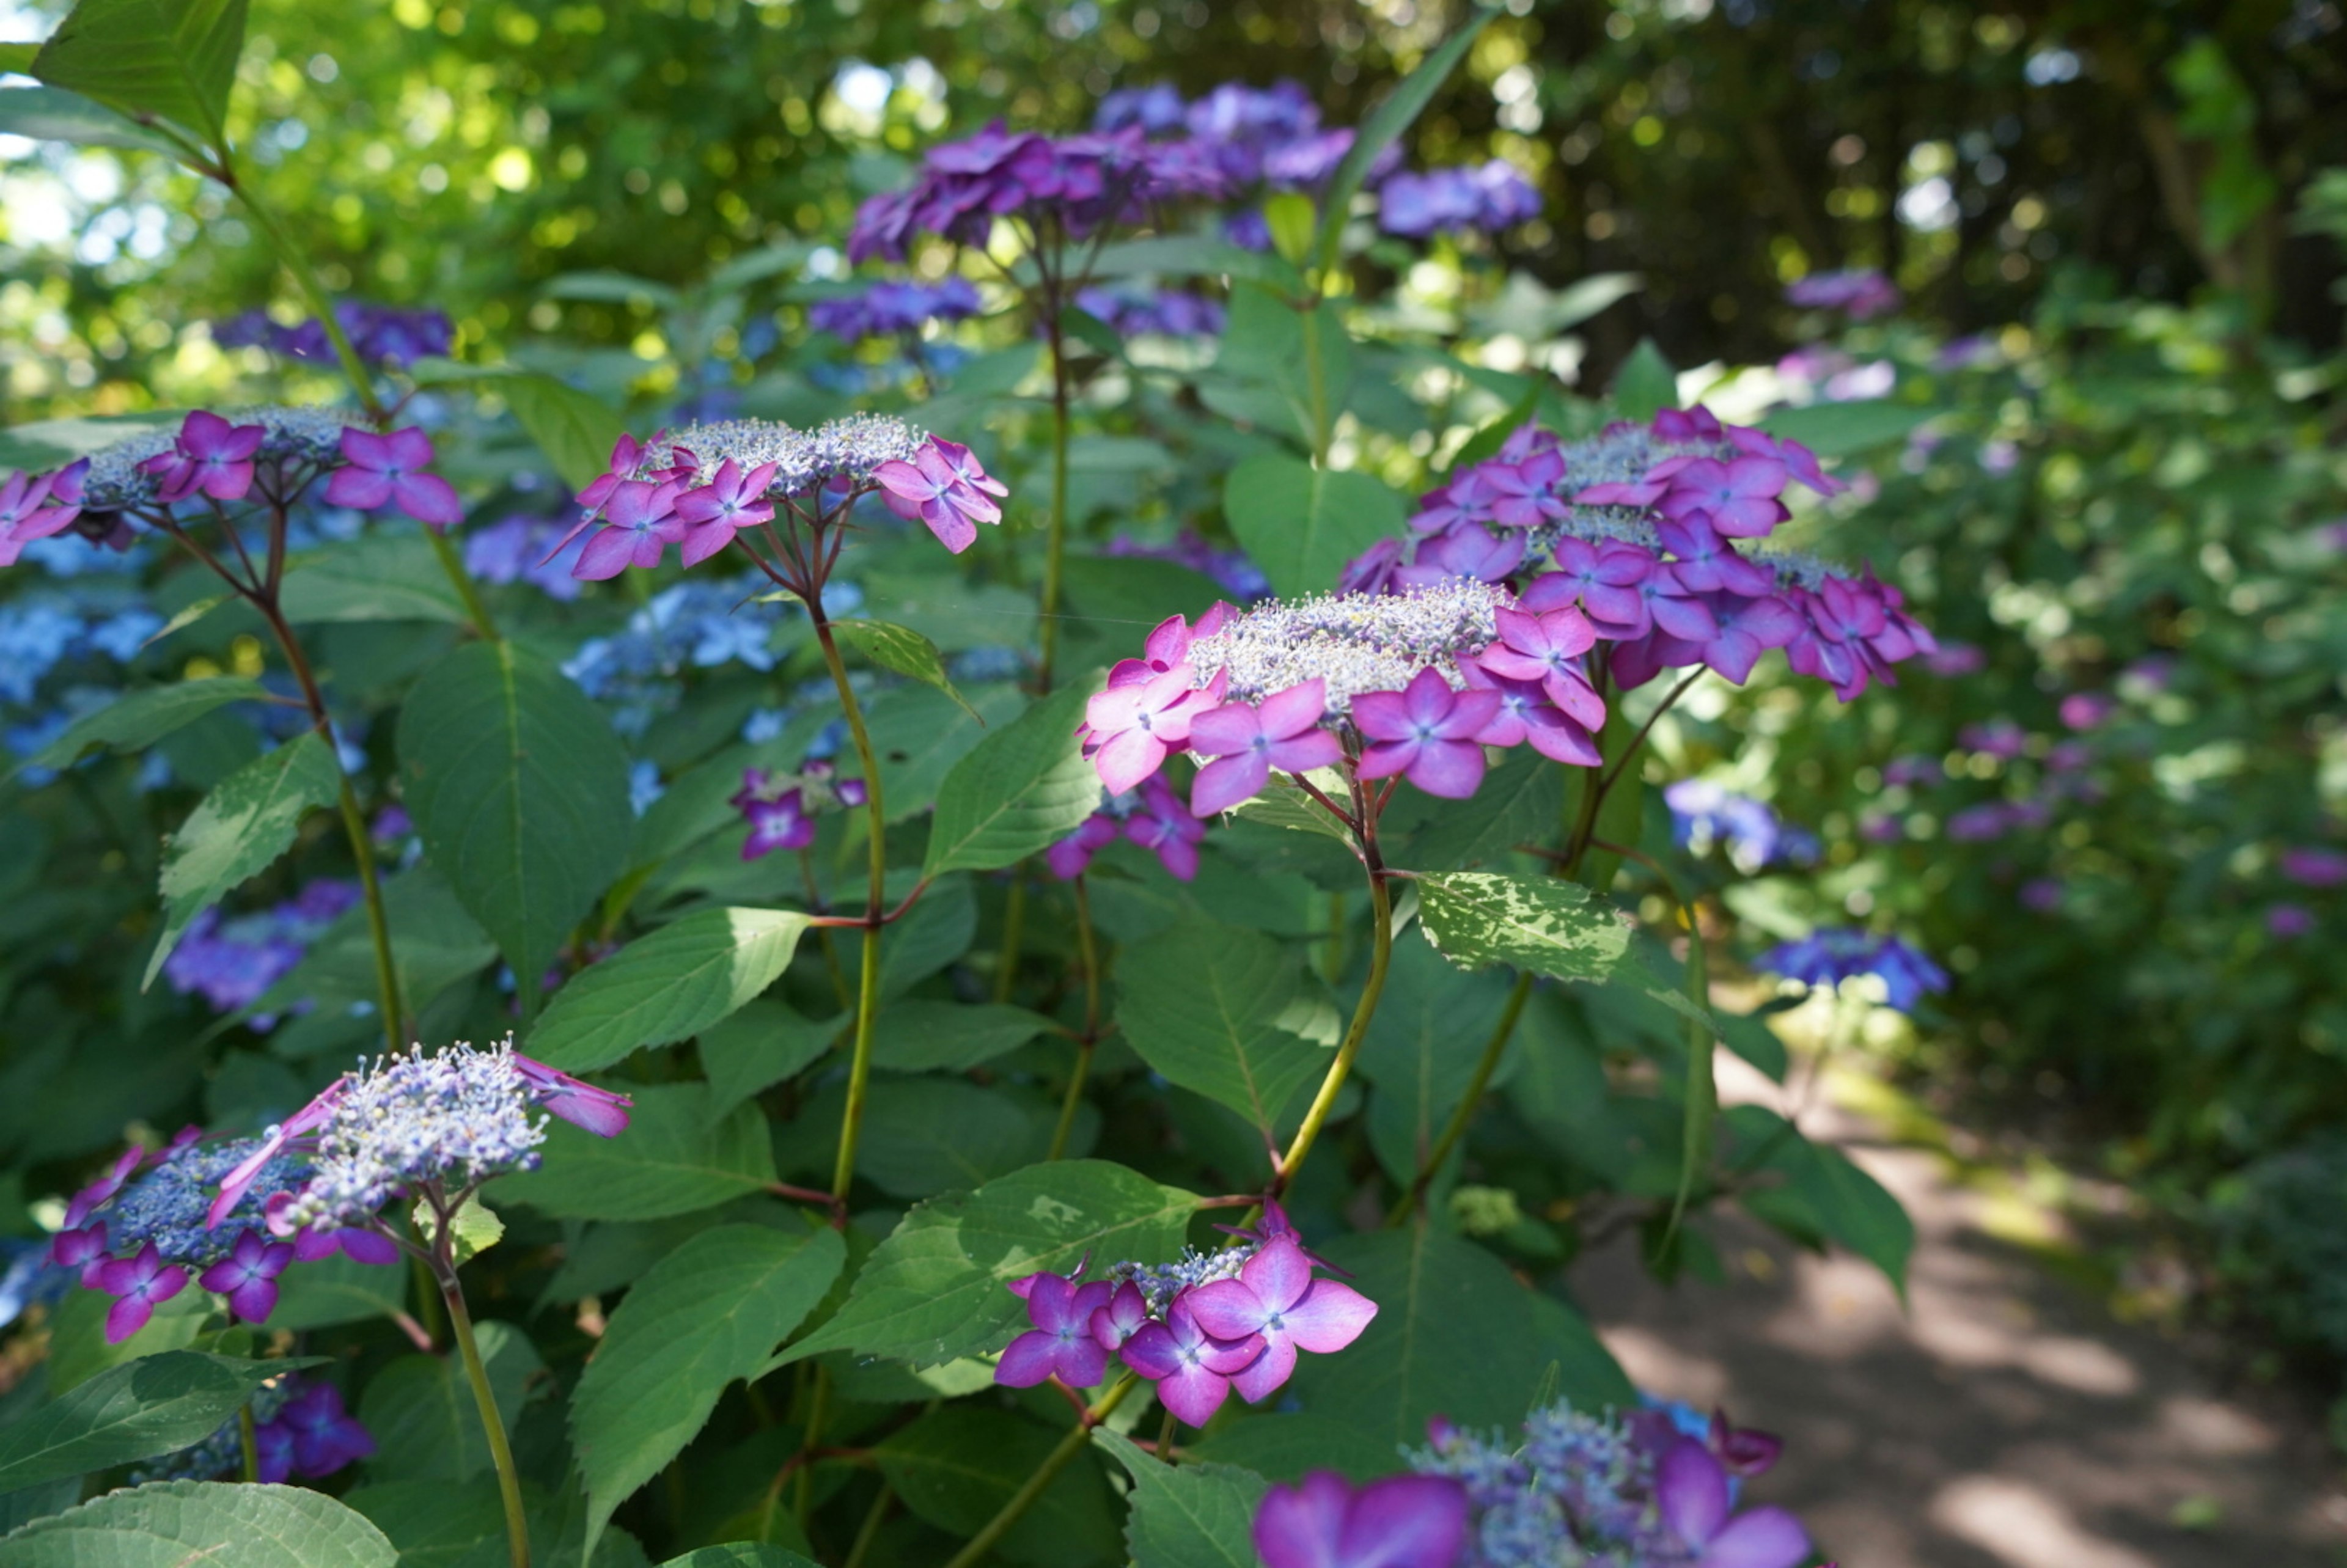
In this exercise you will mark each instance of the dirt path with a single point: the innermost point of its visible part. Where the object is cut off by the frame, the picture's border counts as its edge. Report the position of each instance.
(2002, 1420)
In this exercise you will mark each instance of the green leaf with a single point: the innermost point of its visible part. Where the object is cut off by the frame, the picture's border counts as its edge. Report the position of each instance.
(739, 1555)
(575, 429)
(957, 1466)
(181, 1524)
(1302, 524)
(151, 1406)
(1187, 1516)
(1824, 1196)
(1622, 812)
(1645, 385)
(1421, 1051)
(1282, 1446)
(338, 1290)
(1204, 1004)
(918, 734)
(137, 720)
(239, 830)
(1518, 804)
(938, 930)
(1455, 1335)
(420, 1410)
(1294, 361)
(903, 650)
(708, 1313)
(923, 1136)
(16, 58)
(1847, 429)
(935, 1290)
(521, 790)
(52, 114)
(170, 59)
(444, 1524)
(1191, 256)
(434, 944)
(1541, 924)
(51, 443)
(1282, 804)
(672, 1160)
(1091, 331)
(474, 1228)
(1396, 114)
(1487, 441)
(663, 987)
(920, 1036)
(380, 577)
(763, 1044)
(1016, 791)
(79, 1351)
(1289, 217)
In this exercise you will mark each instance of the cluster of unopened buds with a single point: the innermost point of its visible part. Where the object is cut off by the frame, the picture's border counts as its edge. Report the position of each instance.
(1196, 1329)
(1640, 1491)
(212, 461)
(1639, 527)
(707, 485)
(233, 1216)
(781, 808)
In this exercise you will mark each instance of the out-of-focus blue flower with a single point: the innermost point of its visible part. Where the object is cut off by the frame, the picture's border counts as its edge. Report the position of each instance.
(895, 308)
(1232, 570)
(1827, 958)
(1166, 312)
(231, 962)
(1703, 815)
(1490, 198)
(697, 624)
(644, 786)
(513, 549)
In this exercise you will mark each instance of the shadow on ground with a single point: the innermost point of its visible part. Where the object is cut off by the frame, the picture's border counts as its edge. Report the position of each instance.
(2001, 1420)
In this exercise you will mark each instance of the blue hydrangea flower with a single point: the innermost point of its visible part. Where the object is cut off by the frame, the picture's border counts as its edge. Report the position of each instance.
(1828, 957)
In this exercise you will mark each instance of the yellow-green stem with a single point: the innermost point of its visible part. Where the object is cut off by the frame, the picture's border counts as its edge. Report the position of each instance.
(1489, 1063)
(1380, 959)
(1045, 1474)
(1088, 950)
(248, 1442)
(500, 1450)
(452, 565)
(1014, 930)
(867, 989)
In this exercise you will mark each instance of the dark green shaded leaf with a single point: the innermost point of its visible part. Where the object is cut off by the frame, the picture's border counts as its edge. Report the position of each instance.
(1205, 1005)
(137, 720)
(763, 1044)
(173, 59)
(239, 830)
(1302, 524)
(919, 1036)
(52, 114)
(956, 1467)
(672, 1160)
(149, 1406)
(707, 1314)
(422, 1417)
(1187, 1516)
(521, 790)
(1282, 1446)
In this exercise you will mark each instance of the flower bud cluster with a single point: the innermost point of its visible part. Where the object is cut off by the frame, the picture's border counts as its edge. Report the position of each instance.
(1638, 528)
(1197, 1328)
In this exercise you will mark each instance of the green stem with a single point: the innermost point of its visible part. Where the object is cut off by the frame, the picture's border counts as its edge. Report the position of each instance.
(468, 593)
(1165, 1435)
(1317, 374)
(818, 1408)
(869, 1530)
(1493, 1049)
(1014, 930)
(314, 288)
(500, 1450)
(1045, 1474)
(387, 972)
(248, 1442)
(1380, 959)
(1088, 951)
(867, 989)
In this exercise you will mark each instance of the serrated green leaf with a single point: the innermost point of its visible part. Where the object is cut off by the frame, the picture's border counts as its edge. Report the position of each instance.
(520, 792)
(934, 1291)
(923, 1136)
(52, 114)
(575, 429)
(1204, 1004)
(1518, 804)
(1187, 1516)
(918, 734)
(957, 1466)
(739, 1555)
(920, 1036)
(149, 1406)
(672, 1160)
(666, 986)
(1282, 804)
(382, 577)
(1541, 924)
(239, 830)
(903, 650)
(763, 1044)
(1421, 1050)
(1016, 791)
(1294, 362)
(137, 720)
(707, 1314)
(174, 1523)
(168, 59)
(422, 1413)
(1385, 126)
(1301, 524)
(1284, 1445)
(1455, 1335)
(474, 1228)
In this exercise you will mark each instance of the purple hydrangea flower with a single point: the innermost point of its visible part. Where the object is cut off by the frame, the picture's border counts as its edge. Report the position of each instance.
(1073, 856)
(1691, 1488)
(1276, 1296)
(1166, 828)
(325, 1436)
(1827, 958)
(1193, 1369)
(138, 1283)
(248, 1275)
(1859, 293)
(1131, 729)
(944, 489)
(2288, 921)
(1061, 1344)
(2311, 865)
(211, 458)
(388, 470)
(1324, 1522)
(1247, 741)
(1426, 733)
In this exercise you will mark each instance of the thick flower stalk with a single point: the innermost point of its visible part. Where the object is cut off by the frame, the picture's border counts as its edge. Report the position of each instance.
(1639, 529)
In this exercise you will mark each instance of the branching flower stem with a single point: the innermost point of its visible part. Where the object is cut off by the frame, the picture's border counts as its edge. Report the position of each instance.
(441, 1257)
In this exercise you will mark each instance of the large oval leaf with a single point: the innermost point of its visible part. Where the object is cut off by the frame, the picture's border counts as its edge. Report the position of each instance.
(521, 790)
(1019, 791)
(1302, 524)
(1207, 1005)
(236, 831)
(673, 1159)
(661, 988)
(708, 1313)
(149, 1406)
(174, 1523)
